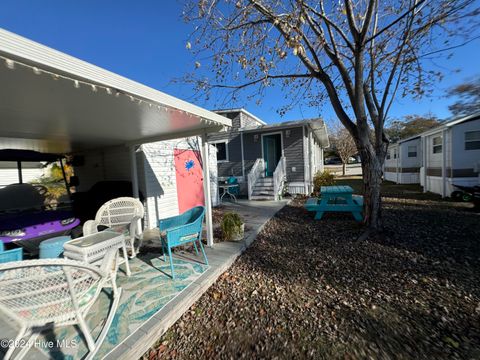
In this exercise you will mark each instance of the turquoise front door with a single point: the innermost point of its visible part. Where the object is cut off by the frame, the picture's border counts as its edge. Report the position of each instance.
(272, 152)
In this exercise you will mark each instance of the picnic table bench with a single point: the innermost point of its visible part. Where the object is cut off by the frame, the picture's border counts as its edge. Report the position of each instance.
(336, 199)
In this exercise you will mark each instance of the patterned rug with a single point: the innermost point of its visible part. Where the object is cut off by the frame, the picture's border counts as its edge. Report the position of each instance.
(144, 293)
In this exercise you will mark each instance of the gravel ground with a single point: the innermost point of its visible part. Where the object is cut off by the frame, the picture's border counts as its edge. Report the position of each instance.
(308, 289)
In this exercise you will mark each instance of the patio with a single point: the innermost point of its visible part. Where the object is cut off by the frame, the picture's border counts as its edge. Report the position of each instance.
(151, 301)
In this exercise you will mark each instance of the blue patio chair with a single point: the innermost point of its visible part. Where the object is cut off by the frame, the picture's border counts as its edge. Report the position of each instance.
(232, 180)
(10, 255)
(180, 230)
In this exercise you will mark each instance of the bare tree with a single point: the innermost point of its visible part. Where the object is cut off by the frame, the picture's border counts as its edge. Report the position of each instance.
(357, 54)
(468, 98)
(344, 144)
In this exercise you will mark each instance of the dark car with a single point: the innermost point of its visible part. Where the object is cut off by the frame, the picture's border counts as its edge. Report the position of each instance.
(86, 204)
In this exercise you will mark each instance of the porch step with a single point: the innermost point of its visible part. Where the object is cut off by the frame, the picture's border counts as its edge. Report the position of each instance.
(261, 197)
(263, 193)
(263, 187)
(264, 181)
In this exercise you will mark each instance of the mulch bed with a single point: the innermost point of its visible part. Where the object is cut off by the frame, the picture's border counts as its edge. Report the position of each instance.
(308, 289)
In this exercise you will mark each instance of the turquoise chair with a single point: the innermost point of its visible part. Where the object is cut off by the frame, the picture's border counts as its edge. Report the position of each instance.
(232, 180)
(181, 230)
(10, 255)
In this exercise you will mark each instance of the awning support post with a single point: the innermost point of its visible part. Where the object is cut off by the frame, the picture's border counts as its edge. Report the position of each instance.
(133, 171)
(206, 190)
(19, 167)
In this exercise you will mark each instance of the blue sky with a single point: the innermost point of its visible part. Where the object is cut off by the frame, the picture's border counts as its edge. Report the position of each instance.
(145, 41)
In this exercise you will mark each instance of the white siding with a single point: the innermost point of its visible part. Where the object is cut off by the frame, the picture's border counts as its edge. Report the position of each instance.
(461, 158)
(156, 174)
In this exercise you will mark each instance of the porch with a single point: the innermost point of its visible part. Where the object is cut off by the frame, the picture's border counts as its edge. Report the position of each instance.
(151, 301)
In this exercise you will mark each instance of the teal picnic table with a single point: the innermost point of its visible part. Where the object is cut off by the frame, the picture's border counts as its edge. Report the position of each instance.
(336, 199)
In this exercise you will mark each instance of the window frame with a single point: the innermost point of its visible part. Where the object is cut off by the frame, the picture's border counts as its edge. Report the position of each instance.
(470, 140)
(435, 147)
(409, 152)
(227, 158)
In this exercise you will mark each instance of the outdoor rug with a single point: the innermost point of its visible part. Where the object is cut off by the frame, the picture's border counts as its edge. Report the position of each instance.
(144, 293)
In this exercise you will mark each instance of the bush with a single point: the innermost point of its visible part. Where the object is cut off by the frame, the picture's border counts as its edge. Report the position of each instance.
(322, 178)
(231, 223)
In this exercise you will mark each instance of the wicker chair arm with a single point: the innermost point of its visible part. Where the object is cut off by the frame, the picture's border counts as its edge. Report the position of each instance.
(90, 227)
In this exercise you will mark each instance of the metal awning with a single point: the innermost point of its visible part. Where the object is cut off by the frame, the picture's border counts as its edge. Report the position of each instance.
(53, 102)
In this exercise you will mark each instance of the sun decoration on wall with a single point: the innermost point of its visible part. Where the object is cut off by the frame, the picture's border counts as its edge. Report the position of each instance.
(189, 164)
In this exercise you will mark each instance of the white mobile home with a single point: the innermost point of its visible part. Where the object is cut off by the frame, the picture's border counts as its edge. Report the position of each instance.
(403, 161)
(451, 155)
(438, 158)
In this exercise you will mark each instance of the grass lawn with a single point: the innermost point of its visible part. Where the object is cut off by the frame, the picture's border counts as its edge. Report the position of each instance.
(309, 289)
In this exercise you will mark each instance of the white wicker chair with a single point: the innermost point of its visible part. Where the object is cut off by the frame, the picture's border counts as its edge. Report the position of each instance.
(38, 293)
(122, 214)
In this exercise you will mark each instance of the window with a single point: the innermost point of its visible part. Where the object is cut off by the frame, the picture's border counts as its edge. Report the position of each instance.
(388, 155)
(437, 145)
(221, 151)
(412, 151)
(472, 140)
(394, 153)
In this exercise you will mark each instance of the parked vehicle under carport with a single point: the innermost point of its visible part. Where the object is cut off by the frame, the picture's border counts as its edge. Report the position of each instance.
(27, 216)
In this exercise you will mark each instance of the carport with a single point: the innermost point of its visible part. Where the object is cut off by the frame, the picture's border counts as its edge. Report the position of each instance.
(52, 102)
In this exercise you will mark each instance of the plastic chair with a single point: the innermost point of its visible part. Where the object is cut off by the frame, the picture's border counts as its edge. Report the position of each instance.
(232, 180)
(40, 293)
(180, 230)
(10, 255)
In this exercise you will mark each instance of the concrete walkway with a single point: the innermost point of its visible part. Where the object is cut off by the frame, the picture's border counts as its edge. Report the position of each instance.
(221, 256)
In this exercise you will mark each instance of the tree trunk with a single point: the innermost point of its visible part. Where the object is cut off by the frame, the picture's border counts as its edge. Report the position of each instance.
(344, 168)
(372, 165)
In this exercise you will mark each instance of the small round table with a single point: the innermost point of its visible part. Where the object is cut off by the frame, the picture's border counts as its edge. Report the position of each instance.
(226, 190)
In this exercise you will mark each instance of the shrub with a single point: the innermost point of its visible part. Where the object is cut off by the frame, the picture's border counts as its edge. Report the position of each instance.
(231, 223)
(322, 178)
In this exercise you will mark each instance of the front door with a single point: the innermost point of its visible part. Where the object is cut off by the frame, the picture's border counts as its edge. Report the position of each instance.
(272, 152)
(189, 177)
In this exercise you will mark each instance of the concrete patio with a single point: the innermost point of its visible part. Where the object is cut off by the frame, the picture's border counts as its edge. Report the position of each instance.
(147, 311)
(221, 256)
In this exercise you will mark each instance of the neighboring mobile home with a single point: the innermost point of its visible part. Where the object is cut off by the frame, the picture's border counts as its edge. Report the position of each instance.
(451, 155)
(270, 158)
(403, 161)
(438, 158)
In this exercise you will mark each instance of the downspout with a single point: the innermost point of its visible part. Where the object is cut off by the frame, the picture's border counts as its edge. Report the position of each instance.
(398, 162)
(425, 160)
(304, 162)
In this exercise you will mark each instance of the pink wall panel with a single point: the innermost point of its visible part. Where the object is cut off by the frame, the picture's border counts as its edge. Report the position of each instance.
(189, 175)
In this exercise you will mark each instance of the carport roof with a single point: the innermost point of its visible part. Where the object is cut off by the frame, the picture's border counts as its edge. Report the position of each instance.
(53, 102)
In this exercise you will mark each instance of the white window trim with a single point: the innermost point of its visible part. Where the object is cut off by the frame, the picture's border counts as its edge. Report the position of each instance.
(437, 145)
(465, 141)
(226, 149)
(408, 151)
